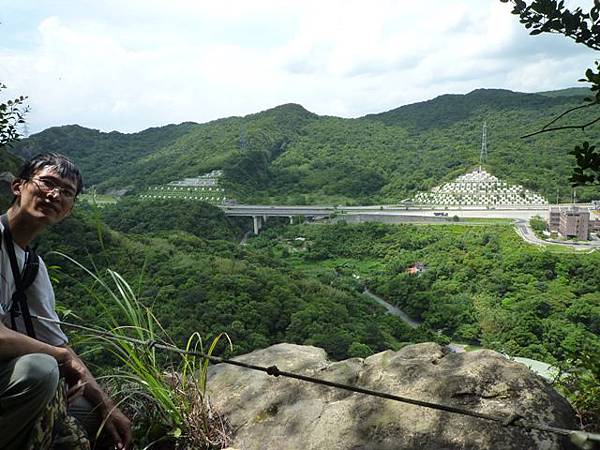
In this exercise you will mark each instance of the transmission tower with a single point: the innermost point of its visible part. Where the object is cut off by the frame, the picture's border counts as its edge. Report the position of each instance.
(484, 153)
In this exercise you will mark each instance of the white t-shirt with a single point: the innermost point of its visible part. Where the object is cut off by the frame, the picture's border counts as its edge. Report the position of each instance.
(40, 298)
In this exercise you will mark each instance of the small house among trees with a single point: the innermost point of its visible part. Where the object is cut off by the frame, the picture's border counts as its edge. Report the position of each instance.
(416, 268)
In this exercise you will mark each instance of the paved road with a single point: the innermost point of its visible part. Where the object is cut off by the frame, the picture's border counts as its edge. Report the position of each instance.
(277, 210)
(452, 346)
(392, 309)
(383, 210)
(524, 230)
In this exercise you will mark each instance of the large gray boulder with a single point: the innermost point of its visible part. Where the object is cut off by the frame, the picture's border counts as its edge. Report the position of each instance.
(281, 413)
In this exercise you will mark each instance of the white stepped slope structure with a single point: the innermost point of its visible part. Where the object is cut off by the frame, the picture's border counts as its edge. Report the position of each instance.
(479, 188)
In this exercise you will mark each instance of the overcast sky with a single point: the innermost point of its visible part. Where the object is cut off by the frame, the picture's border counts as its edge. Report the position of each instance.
(128, 65)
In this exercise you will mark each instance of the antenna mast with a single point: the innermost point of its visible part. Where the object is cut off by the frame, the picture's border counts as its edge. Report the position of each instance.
(483, 154)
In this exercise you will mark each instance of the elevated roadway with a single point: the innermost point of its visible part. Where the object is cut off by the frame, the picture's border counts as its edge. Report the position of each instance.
(317, 210)
(384, 213)
(399, 214)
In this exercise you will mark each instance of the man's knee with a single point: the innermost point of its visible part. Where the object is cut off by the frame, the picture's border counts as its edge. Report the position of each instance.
(37, 373)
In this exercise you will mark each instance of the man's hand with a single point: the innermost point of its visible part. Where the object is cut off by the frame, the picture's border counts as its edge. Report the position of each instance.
(118, 427)
(72, 368)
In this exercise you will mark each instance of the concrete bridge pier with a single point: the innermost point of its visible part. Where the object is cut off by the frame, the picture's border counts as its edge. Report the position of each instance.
(257, 222)
(291, 220)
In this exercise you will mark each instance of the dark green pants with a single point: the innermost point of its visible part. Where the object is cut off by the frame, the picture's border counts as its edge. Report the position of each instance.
(27, 384)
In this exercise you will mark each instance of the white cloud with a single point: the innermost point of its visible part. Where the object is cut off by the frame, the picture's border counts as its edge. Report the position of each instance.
(131, 65)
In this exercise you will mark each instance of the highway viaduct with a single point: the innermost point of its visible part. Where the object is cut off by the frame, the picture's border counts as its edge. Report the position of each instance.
(383, 213)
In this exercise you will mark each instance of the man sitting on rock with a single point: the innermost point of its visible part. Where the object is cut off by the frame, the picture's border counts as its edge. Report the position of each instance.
(34, 355)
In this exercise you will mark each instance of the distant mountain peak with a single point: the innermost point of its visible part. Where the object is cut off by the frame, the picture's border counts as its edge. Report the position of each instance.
(287, 108)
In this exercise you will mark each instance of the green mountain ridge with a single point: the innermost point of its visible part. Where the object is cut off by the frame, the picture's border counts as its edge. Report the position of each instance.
(289, 155)
(86, 146)
(451, 108)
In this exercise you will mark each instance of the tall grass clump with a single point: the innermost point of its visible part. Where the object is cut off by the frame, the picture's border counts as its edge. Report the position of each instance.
(164, 394)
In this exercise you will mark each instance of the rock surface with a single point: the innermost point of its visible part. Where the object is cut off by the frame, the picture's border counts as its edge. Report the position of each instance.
(281, 413)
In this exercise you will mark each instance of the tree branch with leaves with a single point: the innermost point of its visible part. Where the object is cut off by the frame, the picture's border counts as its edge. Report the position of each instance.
(12, 115)
(551, 16)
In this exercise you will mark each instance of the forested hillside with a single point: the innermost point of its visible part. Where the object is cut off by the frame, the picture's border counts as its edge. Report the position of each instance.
(290, 155)
(186, 263)
(101, 155)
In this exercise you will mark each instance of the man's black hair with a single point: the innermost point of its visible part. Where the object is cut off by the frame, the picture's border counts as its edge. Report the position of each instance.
(64, 167)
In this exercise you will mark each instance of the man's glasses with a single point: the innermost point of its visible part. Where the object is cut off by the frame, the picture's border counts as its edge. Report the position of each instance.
(47, 185)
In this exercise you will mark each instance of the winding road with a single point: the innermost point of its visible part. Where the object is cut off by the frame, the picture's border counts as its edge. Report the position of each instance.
(394, 310)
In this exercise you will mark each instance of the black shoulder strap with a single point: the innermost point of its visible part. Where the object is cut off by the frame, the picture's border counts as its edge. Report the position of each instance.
(22, 282)
(32, 266)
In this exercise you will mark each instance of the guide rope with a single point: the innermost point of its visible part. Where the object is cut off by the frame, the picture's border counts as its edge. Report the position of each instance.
(582, 439)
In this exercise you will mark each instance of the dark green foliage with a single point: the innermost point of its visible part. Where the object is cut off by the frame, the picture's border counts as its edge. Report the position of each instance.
(151, 216)
(214, 285)
(588, 159)
(251, 169)
(580, 382)
(12, 115)
(8, 162)
(550, 16)
(538, 225)
(9, 166)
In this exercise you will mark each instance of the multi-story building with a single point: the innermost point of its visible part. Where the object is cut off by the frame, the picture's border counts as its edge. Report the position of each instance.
(554, 219)
(571, 222)
(595, 226)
